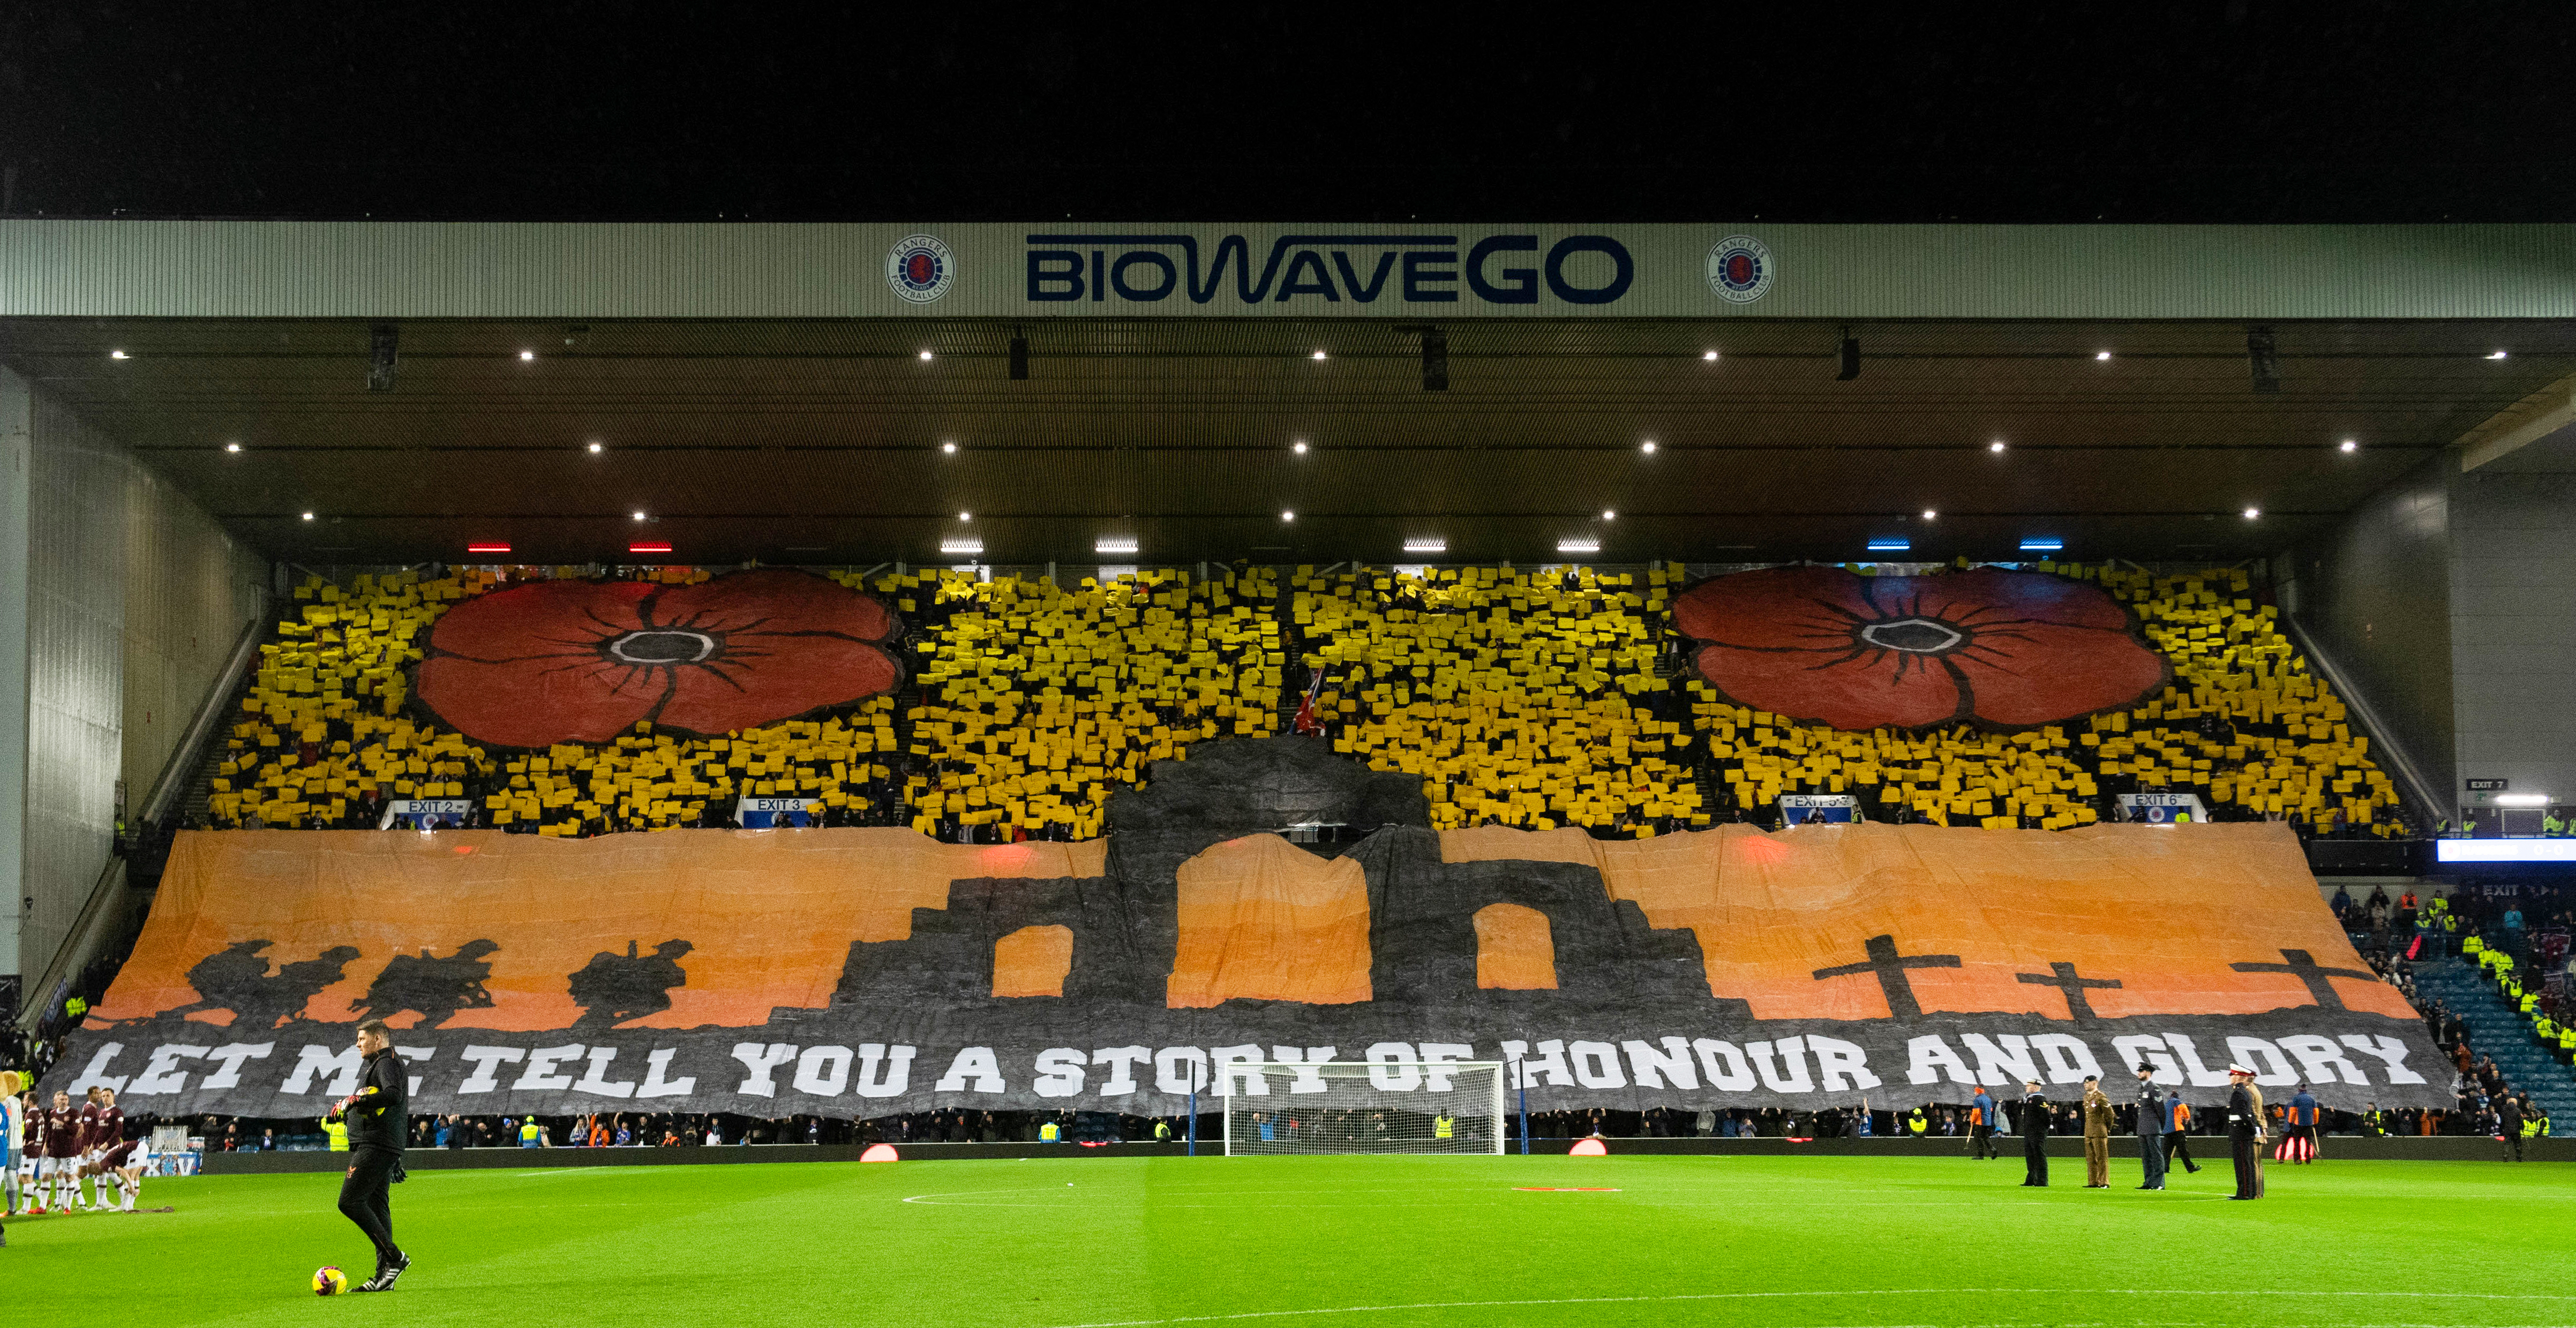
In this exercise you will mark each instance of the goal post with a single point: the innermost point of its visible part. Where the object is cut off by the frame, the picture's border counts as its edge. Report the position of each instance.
(1293, 1107)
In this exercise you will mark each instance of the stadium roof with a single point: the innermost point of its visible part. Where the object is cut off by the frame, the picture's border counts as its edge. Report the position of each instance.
(820, 439)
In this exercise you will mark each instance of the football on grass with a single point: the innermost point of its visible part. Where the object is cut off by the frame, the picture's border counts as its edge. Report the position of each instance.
(329, 1281)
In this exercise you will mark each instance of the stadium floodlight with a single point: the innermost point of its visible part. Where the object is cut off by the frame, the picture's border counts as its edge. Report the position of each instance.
(1931, 513)
(2496, 355)
(925, 357)
(1431, 545)
(232, 447)
(2253, 512)
(118, 355)
(1890, 544)
(1114, 544)
(2042, 544)
(2101, 355)
(526, 355)
(1578, 546)
(2348, 445)
(974, 546)
(1296, 1107)
(1298, 447)
(1709, 356)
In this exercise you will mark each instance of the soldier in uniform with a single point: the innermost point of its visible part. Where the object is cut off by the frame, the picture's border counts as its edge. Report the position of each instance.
(2097, 1134)
(613, 988)
(2245, 1132)
(2151, 1129)
(2034, 1135)
(435, 987)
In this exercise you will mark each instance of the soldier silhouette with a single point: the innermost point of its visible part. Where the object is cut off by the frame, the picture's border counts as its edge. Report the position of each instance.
(436, 987)
(613, 988)
(236, 978)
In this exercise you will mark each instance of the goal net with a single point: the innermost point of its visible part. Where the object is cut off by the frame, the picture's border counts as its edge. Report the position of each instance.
(1363, 1107)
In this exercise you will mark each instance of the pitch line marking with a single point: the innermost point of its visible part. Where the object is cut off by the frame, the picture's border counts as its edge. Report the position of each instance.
(1782, 1295)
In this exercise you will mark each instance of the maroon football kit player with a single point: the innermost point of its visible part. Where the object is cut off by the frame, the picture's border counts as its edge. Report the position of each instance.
(106, 1132)
(58, 1171)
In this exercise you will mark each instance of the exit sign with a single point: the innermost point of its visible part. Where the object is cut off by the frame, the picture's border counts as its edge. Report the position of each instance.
(2489, 785)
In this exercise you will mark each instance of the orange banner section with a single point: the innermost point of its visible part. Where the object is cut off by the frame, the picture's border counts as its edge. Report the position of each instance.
(769, 916)
(2185, 920)
(1263, 919)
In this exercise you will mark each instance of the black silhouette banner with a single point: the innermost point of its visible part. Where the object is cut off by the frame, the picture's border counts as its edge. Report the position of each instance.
(861, 972)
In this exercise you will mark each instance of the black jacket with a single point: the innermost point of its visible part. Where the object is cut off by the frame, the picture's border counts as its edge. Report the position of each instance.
(381, 1116)
(2034, 1117)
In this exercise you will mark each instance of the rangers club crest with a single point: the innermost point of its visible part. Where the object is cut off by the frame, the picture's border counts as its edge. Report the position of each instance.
(920, 268)
(1739, 269)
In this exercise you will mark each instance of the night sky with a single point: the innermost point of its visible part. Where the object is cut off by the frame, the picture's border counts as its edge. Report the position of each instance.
(2188, 112)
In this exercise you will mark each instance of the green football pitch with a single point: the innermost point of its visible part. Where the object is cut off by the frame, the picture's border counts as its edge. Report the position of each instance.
(1363, 1242)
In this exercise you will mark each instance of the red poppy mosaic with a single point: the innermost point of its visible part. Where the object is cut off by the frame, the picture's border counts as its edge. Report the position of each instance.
(1992, 648)
(583, 661)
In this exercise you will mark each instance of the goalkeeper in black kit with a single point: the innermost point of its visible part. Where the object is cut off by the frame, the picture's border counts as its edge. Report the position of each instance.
(378, 1124)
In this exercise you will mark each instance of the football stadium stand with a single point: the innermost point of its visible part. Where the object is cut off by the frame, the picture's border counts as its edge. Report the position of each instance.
(1530, 698)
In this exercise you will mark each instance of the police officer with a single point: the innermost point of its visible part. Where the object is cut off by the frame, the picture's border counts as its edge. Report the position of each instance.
(2034, 1135)
(2245, 1132)
(379, 1123)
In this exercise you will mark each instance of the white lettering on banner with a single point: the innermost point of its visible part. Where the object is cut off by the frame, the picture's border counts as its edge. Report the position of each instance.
(2390, 1050)
(1734, 1075)
(898, 1069)
(758, 1062)
(2320, 1058)
(1551, 1064)
(2009, 1063)
(161, 1073)
(487, 1062)
(1837, 1060)
(597, 1081)
(2201, 1075)
(413, 1056)
(1060, 1072)
(974, 1070)
(2069, 1060)
(542, 1074)
(1305, 1059)
(2149, 1050)
(658, 1065)
(1168, 1075)
(342, 1065)
(1122, 1062)
(2271, 1068)
(1793, 1055)
(1927, 1058)
(1653, 1067)
(1233, 1067)
(823, 1071)
(1436, 1056)
(228, 1060)
(1390, 1067)
(1596, 1065)
(96, 1075)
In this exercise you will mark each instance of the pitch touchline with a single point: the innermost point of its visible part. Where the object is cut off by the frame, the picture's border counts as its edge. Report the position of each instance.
(1774, 1295)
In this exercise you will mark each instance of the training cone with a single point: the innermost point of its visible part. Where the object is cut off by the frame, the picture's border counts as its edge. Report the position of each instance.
(880, 1153)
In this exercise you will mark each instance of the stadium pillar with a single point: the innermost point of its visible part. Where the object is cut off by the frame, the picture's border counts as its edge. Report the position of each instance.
(17, 446)
(1192, 1136)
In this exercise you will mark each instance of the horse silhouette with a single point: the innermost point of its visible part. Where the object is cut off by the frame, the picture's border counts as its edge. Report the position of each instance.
(435, 987)
(613, 988)
(236, 978)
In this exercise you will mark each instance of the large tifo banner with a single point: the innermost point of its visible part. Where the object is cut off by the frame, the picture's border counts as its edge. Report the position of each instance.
(858, 972)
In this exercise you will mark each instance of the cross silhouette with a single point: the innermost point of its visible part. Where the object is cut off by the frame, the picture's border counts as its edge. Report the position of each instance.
(2305, 967)
(2062, 976)
(1891, 968)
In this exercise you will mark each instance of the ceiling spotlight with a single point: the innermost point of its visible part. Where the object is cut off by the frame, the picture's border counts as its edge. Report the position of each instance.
(2101, 355)
(948, 448)
(232, 447)
(2348, 445)
(1288, 516)
(1299, 447)
(527, 355)
(1647, 447)
(595, 449)
(1608, 514)
(118, 355)
(965, 516)
(1929, 514)
(639, 516)
(308, 516)
(1319, 354)
(1709, 355)
(2253, 512)
(925, 357)
(2496, 355)
(1995, 446)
